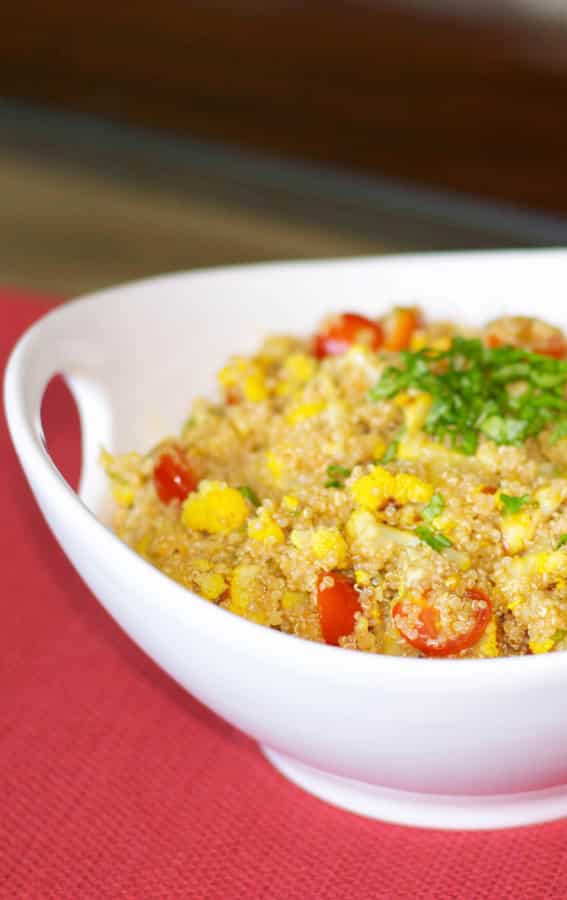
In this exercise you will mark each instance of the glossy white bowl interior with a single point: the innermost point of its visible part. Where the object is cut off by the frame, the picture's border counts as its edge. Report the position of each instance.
(456, 744)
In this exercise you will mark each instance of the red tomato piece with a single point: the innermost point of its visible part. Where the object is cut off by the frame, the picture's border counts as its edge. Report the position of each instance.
(232, 396)
(426, 629)
(345, 330)
(337, 606)
(555, 347)
(400, 326)
(530, 334)
(173, 476)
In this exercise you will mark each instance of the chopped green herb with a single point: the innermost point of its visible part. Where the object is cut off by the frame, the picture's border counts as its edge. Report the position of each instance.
(249, 494)
(336, 475)
(392, 449)
(503, 430)
(560, 431)
(434, 508)
(513, 504)
(562, 541)
(436, 541)
(336, 471)
(470, 386)
(559, 635)
(469, 442)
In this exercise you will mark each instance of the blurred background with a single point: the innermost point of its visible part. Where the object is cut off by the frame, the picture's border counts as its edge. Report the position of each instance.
(143, 137)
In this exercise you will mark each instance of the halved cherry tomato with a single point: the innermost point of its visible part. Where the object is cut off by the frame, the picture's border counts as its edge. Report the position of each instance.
(337, 606)
(232, 397)
(424, 634)
(556, 347)
(399, 327)
(345, 330)
(528, 333)
(173, 476)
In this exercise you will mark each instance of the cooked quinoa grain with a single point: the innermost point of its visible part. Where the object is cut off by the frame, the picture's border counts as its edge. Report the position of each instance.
(391, 486)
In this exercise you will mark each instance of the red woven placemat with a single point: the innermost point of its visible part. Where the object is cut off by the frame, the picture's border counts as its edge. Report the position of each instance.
(114, 783)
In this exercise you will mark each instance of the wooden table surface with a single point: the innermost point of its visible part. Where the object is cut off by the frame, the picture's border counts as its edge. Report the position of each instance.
(85, 206)
(470, 104)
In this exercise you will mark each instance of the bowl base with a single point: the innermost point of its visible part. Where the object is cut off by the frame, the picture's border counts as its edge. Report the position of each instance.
(453, 812)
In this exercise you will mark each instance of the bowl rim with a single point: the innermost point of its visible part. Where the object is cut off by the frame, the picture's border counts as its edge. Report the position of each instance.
(336, 662)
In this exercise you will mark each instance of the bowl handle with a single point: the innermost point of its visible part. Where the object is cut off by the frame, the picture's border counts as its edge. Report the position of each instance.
(43, 352)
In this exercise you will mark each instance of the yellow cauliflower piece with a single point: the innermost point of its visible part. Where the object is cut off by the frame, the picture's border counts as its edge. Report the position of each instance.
(324, 544)
(264, 529)
(367, 534)
(290, 503)
(245, 593)
(518, 530)
(363, 531)
(374, 490)
(247, 375)
(328, 544)
(299, 412)
(215, 508)
(210, 584)
(410, 489)
(300, 367)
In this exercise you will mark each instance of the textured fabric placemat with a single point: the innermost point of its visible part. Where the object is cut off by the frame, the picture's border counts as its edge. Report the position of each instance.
(115, 783)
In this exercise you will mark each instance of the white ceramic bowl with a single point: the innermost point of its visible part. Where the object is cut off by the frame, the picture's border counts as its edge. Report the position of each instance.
(445, 743)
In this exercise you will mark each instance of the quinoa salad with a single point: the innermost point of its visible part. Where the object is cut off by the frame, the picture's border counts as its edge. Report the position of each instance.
(392, 485)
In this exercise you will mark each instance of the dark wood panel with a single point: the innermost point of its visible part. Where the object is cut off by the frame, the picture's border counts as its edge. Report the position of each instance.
(477, 107)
